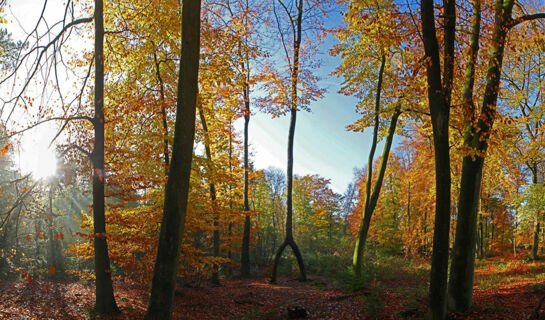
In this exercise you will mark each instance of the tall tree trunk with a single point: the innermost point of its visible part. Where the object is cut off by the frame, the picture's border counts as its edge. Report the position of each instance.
(104, 293)
(289, 178)
(230, 227)
(212, 187)
(371, 197)
(535, 246)
(245, 253)
(439, 93)
(466, 231)
(476, 137)
(177, 188)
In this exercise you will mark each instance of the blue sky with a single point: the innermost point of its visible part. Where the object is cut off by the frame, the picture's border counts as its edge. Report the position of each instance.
(322, 144)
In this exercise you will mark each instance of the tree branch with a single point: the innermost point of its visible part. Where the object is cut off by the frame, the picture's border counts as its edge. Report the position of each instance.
(524, 18)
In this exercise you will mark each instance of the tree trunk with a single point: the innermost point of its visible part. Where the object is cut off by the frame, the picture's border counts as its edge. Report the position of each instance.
(535, 246)
(289, 213)
(371, 197)
(216, 234)
(104, 293)
(245, 253)
(476, 137)
(439, 93)
(163, 112)
(55, 258)
(177, 188)
(230, 227)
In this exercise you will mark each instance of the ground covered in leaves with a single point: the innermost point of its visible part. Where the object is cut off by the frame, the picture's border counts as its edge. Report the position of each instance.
(505, 288)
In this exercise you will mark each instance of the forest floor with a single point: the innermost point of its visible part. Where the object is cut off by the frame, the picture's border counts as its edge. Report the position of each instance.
(505, 288)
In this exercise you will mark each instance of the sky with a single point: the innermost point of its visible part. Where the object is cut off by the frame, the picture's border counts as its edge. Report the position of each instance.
(322, 144)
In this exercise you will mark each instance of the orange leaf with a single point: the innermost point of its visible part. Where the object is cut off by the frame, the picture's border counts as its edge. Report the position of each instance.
(61, 236)
(28, 237)
(5, 149)
(52, 270)
(29, 279)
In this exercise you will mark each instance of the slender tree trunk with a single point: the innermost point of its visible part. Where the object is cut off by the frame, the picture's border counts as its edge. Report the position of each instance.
(163, 112)
(439, 93)
(371, 197)
(463, 262)
(535, 246)
(289, 178)
(245, 253)
(216, 234)
(176, 191)
(230, 227)
(55, 258)
(104, 294)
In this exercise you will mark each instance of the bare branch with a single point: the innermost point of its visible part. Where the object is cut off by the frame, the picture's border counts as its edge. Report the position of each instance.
(47, 120)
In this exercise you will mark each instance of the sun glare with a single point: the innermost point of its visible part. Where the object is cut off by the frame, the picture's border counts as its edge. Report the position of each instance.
(37, 159)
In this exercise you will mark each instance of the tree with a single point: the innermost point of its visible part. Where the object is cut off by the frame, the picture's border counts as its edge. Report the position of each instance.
(371, 197)
(439, 97)
(177, 188)
(288, 96)
(383, 43)
(477, 132)
(105, 301)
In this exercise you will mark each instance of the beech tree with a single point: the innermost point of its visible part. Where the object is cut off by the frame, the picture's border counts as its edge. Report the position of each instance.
(477, 132)
(439, 97)
(291, 93)
(177, 188)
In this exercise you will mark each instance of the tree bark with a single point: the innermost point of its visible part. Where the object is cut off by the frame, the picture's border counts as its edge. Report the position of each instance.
(476, 137)
(177, 188)
(439, 93)
(104, 293)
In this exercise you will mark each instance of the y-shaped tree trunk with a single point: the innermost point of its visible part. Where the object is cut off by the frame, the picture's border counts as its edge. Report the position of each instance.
(289, 210)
